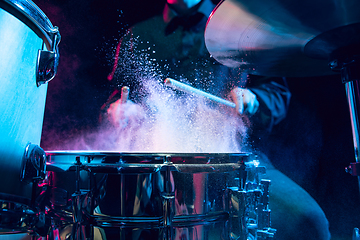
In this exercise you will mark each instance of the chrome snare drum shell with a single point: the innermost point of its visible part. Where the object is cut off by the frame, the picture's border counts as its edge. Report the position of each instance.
(151, 191)
(28, 60)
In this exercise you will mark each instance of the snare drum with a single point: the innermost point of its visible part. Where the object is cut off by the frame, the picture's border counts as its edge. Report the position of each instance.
(28, 59)
(147, 194)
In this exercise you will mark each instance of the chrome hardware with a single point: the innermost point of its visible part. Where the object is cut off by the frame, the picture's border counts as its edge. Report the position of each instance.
(33, 164)
(48, 61)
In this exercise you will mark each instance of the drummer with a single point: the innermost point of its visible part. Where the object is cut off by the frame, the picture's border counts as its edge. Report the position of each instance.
(177, 38)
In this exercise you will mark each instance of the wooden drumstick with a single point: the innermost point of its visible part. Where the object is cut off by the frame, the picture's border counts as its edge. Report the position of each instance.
(186, 88)
(124, 94)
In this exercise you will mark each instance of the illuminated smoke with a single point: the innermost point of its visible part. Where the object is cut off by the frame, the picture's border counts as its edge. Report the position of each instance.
(167, 122)
(163, 120)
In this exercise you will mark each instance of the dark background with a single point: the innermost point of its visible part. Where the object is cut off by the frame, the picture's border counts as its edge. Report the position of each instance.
(313, 145)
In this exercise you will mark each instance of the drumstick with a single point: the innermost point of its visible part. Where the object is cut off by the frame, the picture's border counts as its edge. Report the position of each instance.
(124, 94)
(186, 88)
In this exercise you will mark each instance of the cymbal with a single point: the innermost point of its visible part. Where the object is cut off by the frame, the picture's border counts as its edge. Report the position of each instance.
(283, 38)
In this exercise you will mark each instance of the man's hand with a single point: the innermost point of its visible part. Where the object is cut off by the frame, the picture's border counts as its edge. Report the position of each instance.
(245, 100)
(124, 112)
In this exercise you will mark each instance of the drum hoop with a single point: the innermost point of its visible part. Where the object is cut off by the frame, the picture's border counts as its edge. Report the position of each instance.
(180, 221)
(144, 154)
(31, 15)
(140, 162)
(113, 157)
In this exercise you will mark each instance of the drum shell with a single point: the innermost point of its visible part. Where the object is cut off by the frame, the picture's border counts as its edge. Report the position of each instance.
(136, 195)
(140, 195)
(199, 211)
(22, 103)
(213, 231)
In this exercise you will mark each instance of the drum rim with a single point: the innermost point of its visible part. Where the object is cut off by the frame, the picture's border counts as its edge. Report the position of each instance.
(32, 16)
(136, 162)
(142, 154)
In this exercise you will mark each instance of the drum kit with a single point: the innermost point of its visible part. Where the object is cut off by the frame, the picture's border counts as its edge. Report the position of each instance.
(99, 195)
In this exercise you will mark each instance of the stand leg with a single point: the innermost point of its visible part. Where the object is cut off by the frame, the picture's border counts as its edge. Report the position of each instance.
(351, 77)
(352, 92)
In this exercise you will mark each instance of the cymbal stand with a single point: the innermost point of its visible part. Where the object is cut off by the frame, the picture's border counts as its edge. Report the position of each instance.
(350, 76)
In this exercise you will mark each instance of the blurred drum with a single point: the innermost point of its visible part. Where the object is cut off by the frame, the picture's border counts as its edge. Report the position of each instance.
(28, 60)
(143, 195)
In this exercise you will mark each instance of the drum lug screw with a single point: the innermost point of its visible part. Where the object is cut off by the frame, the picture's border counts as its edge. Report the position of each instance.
(33, 164)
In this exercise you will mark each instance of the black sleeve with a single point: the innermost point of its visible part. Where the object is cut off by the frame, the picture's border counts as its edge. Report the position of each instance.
(274, 99)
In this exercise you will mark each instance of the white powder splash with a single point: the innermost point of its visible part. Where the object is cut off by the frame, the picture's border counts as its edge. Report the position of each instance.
(164, 120)
(167, 122)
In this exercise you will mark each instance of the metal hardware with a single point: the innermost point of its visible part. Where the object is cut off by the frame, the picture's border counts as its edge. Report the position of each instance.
(33, 164)
(48, 61)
